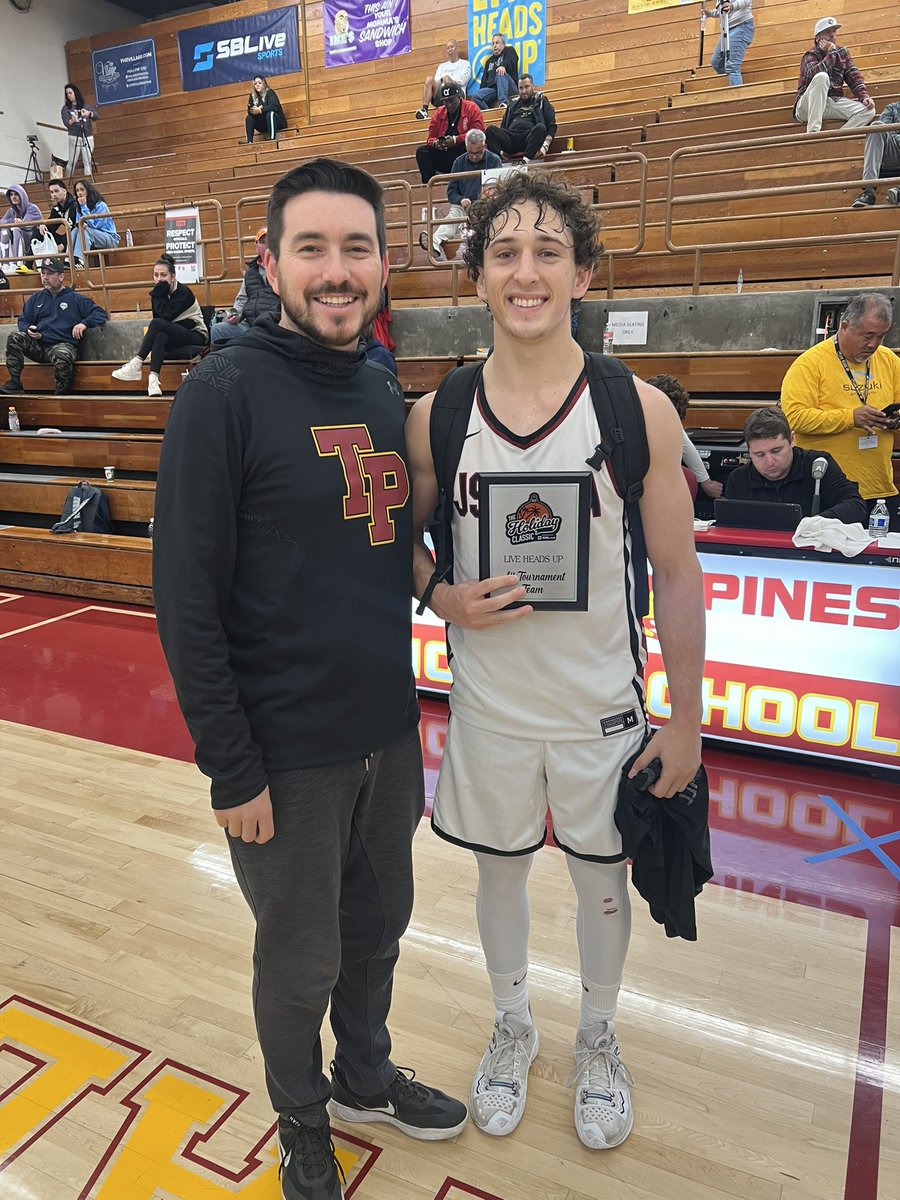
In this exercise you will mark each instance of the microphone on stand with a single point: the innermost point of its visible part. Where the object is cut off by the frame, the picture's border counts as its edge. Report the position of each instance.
(819, 467)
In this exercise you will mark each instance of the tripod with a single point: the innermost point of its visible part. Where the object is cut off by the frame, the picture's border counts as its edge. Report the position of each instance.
(81, 144)
(33, 172)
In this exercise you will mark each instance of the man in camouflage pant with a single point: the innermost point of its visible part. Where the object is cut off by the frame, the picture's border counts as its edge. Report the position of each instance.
(53, 322)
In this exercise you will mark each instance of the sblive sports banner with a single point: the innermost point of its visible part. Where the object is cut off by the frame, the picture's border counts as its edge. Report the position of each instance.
(361, 30)
(801, 655)
(125, 72)
(522, 23)
(234, 51)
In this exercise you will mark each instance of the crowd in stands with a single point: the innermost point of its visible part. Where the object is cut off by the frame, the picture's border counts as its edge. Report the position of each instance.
(457, 144)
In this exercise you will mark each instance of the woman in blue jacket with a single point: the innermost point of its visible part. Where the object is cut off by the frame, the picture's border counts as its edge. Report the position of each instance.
(98, 235)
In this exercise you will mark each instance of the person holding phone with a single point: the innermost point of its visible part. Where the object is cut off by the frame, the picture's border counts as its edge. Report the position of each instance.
(842, 395)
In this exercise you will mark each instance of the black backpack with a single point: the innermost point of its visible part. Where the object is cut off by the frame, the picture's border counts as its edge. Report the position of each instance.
(86, 510)
(623, 445)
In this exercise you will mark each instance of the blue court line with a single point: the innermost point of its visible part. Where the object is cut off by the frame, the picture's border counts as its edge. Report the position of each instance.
(865, 842)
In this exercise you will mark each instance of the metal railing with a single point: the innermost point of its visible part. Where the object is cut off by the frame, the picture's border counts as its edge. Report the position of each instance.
(593, 174)
(578, 174)
(714, 242)
(104, 254)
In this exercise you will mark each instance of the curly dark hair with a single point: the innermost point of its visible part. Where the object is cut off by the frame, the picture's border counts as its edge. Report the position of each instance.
(675, 390)
(489, 214)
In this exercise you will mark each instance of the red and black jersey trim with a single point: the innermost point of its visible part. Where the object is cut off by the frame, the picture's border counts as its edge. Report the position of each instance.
(531, 439)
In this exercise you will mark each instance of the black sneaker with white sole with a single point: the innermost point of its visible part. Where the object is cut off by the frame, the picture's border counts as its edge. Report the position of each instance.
(893, 196)
(865, 199)
(309, 1168)
(419, 1111)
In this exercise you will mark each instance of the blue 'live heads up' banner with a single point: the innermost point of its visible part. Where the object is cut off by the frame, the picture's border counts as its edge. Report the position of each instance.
(524, 25)
(235, 51)
(125, 72)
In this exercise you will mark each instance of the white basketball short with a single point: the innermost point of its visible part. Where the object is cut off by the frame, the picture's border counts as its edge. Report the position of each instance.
(493, 792)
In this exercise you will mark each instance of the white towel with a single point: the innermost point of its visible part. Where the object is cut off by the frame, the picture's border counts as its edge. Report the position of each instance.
(827, 533)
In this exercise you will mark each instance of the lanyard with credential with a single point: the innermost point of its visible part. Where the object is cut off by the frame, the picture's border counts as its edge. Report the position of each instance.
(863, 395)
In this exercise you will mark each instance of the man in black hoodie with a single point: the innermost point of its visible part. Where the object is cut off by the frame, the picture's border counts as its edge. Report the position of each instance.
(783, 473)
(63, 214)
(282, 566)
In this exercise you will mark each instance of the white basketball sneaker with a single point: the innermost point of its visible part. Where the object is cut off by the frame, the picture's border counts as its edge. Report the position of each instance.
(129, 372)
(153, 386)
(603, 1113)
(497, 1099)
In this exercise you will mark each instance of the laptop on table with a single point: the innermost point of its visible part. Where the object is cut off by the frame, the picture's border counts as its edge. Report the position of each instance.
(757, 514)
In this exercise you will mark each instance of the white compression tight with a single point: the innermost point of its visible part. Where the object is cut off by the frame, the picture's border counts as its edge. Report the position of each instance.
(603, 927)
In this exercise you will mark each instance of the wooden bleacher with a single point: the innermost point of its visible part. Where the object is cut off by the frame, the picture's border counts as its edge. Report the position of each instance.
(620, 83)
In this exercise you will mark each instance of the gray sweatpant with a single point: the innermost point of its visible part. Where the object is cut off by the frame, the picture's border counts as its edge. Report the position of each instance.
(332, 895)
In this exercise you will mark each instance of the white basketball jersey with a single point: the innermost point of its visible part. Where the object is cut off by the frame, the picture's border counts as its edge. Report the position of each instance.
(551, 675)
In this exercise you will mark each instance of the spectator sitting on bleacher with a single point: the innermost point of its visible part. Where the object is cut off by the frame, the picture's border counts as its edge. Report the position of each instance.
(462, 192)
(100, 234)
(881, 150)
(781, 472)
(737, 28)
(500, 75)
(16, 243)
(528, 126)
(255, 298)
(52, 324)
(264, 111)
(64, 212)
(454, 70)
(177, 327)
(820, 91)
(690, 456)
(447, 132)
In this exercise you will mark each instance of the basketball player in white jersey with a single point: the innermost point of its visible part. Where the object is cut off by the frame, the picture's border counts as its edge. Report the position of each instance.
(547, 706)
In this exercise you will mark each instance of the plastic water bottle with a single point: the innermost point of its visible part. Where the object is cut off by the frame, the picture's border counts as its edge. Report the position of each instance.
(740, 281)
(608, 339)
(129, 239)
(879, 521)
(14, 423)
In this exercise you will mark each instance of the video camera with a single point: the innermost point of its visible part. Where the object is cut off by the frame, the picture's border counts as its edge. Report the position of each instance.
(31, 139)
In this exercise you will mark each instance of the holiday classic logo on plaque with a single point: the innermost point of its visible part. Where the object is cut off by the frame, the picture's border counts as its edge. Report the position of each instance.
(536, 527)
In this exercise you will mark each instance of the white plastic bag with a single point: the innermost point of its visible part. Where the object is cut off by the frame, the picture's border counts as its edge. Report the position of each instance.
(45, 245)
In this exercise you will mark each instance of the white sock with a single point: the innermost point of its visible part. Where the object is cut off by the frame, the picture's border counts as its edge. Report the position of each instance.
(510, 993)
(598, 1002)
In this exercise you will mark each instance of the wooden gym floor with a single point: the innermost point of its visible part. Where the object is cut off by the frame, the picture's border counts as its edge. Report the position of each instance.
(767, 1055)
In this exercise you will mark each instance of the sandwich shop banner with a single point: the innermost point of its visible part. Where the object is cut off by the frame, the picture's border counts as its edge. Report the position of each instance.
(235, 51)
(362, 30)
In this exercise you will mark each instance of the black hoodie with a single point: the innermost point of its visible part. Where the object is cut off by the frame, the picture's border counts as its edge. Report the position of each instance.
(282, 559)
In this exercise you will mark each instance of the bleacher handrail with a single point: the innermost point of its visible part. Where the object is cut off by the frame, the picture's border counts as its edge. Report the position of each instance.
(119, 213)
(583, 163)
(715, 244)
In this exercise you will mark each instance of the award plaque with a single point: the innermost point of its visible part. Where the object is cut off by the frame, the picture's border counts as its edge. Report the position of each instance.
(536, 526)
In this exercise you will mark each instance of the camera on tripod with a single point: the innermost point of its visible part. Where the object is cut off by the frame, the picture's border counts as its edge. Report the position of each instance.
(32, 139)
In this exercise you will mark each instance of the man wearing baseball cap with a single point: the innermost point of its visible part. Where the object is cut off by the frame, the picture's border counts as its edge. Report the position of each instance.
(254, 299)
(51, 326)
(447, 132)
(824, 71)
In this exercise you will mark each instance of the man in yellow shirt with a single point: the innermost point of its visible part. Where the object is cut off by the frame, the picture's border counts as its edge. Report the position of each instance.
(835, 394)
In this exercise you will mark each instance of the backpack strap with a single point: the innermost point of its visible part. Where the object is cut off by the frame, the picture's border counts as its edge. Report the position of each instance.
(623, 448)
(447, 431)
